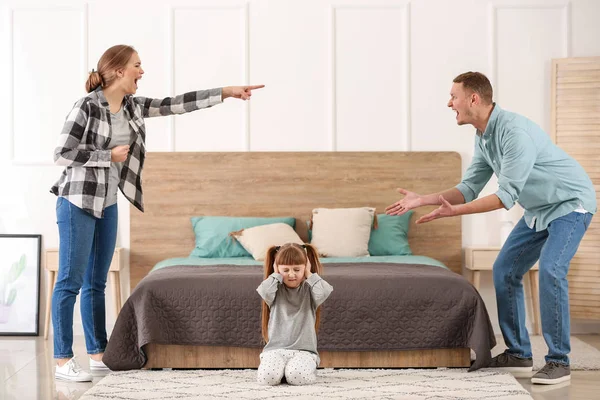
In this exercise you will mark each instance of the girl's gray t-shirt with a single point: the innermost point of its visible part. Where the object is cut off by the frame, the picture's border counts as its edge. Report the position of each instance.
(293, 312)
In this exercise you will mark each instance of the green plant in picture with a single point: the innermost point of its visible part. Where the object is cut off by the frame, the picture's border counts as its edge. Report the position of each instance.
(8, 292)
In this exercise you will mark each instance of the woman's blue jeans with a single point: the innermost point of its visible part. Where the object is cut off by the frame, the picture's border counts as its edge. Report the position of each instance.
(554, 247)
(86, 249)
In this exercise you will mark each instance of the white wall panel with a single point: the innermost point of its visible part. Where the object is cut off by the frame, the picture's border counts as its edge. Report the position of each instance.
(289, 47)
(43, 88)
(370, 63)
(209, 50)
(585, 29)
(526, 38)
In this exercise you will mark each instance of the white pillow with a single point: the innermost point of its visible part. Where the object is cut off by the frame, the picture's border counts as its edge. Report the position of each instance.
(342, 232)
(258, 239)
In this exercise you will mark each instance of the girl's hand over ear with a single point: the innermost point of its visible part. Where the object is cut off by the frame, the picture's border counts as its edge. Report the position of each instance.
(307, 269)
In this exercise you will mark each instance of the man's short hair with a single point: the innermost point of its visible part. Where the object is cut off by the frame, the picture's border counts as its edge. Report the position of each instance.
(477, 83)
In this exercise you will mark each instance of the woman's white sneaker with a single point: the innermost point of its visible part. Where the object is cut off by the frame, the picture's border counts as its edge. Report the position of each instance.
(71, 371)
(98, 366)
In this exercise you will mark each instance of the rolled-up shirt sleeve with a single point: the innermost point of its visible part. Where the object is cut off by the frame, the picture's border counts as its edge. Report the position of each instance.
(519, 156)
(476, 177)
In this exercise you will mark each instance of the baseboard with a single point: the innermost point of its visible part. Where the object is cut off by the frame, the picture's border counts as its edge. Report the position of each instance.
(585, 327)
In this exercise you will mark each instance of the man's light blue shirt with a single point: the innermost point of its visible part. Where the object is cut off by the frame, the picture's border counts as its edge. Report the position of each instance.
(531, 170)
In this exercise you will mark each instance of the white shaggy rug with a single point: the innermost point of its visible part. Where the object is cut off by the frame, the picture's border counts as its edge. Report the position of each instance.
(447, 384)
(582, 356)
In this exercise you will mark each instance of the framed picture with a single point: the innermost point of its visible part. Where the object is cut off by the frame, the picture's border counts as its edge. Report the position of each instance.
(20, 257)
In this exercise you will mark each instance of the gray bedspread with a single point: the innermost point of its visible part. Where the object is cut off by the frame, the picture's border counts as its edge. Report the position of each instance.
(375, 306)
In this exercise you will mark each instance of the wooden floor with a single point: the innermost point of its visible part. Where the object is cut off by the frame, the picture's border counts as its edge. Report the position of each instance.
(26, 371)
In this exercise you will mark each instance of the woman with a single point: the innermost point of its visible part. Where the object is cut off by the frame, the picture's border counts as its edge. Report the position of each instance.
(102, 146)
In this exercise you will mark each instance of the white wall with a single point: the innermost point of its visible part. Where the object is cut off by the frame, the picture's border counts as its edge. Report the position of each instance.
(340, 75)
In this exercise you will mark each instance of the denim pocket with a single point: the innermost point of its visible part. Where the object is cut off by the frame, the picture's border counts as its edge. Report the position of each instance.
(59, 202)
(587, 220)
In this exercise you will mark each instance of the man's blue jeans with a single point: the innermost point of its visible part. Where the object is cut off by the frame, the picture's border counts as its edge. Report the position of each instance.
(86, 249)
(554, 247)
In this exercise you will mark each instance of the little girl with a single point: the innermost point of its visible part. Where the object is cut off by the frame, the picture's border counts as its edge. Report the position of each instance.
(290, 314)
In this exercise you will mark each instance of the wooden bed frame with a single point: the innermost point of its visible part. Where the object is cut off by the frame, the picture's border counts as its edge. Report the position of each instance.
(178, 186)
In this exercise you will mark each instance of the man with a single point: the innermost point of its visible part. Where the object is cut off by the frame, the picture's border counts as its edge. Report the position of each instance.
(559, 200)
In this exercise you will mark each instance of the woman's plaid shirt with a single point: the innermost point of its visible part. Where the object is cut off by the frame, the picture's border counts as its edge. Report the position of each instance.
(83, 145)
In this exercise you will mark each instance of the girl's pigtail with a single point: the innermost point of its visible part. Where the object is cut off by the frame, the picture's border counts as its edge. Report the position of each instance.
(313, 257)
(266, 312)
(316, 268)
(270, 260)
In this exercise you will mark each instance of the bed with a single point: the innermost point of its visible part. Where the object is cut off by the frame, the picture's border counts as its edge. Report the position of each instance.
(204, 313)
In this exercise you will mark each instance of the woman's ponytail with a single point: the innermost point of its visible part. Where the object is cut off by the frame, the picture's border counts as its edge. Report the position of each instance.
(93, 81)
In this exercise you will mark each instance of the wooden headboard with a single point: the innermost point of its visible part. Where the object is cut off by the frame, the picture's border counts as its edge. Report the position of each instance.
(179, 185)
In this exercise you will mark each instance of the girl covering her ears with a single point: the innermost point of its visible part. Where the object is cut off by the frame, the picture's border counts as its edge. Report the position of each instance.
(292, 292)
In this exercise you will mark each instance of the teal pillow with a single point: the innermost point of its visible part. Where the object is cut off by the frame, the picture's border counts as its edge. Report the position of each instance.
(391, 236)
(212, 234)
